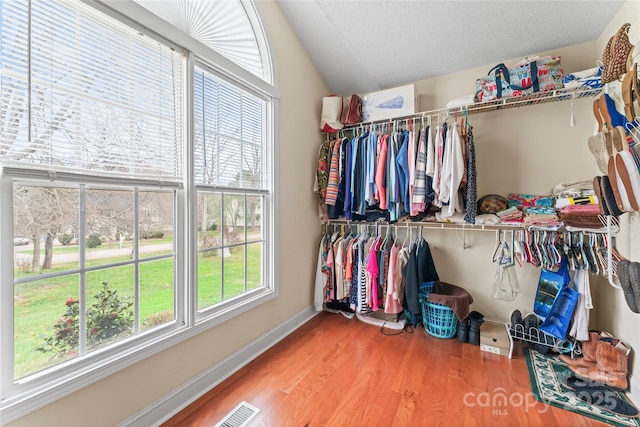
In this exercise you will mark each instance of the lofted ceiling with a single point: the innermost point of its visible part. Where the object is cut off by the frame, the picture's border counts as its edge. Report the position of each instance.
(364, 46)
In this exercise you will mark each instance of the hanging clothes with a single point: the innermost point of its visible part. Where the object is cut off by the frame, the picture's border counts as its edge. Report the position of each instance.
(471, 205)
(580, 323)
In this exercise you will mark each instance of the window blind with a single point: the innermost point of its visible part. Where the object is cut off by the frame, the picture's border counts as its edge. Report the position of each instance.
(228, 134)
(220, 25)
(83, 92)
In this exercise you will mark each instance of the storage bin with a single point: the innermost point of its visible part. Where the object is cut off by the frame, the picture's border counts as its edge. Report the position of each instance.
(438, 320)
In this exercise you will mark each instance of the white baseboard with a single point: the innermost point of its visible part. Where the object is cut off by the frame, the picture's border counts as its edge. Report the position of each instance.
(172, 403)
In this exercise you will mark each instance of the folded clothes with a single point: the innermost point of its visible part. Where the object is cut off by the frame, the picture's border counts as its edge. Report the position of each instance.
(463, 101)
(586, 79)
(561, 202)
(580, 209)
(581, 220)
(487, 219)
(573, 189)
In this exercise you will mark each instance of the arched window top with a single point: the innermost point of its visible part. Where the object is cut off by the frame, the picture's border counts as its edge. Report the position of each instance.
(224, 26)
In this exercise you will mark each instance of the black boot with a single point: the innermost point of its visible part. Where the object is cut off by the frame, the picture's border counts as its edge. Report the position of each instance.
(463, 331)
(475, 320)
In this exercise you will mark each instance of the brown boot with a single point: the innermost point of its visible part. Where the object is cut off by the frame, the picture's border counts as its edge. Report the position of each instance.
(588, 358)
(611, 365)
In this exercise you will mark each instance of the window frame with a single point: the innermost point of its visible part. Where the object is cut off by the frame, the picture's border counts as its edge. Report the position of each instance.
(47, 386)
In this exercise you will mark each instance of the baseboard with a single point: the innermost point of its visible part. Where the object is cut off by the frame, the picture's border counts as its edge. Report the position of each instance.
(172, 403)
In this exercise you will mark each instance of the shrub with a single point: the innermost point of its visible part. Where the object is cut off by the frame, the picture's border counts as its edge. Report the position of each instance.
(156, 319)
(65, 239)
(109, 316)
(212, 227)
(153, 234)
(93, 241)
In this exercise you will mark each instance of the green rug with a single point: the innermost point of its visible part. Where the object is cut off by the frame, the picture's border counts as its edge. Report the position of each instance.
(546, 374)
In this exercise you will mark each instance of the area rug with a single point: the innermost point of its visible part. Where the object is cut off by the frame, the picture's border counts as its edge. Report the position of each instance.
(546, 374)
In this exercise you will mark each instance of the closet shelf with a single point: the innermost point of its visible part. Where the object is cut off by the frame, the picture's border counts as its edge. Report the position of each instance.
(500, 104)
(612, 229)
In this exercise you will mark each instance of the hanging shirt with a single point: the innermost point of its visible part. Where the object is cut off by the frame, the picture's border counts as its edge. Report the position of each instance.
(372, 147)
(381, 188)
(334, 175)
(420, 180)
(393, 299)
(472, 185)
(411, 163)
(347, 178)
(452, 171)
(437, 162)
(321, 279)
(403, 170)
(392, 178)
(580, 323)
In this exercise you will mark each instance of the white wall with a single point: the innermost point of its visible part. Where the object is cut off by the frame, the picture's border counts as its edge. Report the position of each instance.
(118, 397)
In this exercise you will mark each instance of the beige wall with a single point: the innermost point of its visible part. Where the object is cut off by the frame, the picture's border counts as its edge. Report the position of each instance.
(118, 397)
(529, 150)
(613, 313)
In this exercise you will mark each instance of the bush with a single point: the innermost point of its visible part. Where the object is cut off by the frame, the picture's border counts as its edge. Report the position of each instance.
(109, 316)
(93, 241)
(153, 234)
(65, 239)
(158, 319)
(212, 227)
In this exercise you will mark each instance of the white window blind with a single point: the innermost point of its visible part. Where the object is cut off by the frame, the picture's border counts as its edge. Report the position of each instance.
(228, 134)
(81, 91)
(220, 25)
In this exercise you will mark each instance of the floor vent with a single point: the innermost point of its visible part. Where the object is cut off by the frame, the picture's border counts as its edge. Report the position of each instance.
(240, 416)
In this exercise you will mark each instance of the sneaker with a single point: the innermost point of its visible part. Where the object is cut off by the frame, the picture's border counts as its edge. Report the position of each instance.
(531, 327)
(517, 326)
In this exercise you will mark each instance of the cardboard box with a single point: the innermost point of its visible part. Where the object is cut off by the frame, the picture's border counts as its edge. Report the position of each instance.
(494, 338)
(388, 104)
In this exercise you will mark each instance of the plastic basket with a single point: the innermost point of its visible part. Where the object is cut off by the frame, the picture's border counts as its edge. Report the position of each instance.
(438, 320)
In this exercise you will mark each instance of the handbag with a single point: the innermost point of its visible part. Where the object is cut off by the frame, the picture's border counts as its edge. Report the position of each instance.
(550, 284)
(539, 75)
(615, 55)
(557, 322)
(331, 112)
(351, 110)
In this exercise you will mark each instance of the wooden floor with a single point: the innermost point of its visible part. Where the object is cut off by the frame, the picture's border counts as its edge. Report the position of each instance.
(339, 372)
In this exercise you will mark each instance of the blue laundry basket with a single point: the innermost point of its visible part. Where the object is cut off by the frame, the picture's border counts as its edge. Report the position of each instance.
(438, 320)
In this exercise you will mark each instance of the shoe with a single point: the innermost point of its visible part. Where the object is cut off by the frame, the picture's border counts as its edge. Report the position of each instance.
(624, 277)
(463, 331)
(531, 327)
(516, 326)
(475, 320)
(588, 349)
(611, 365)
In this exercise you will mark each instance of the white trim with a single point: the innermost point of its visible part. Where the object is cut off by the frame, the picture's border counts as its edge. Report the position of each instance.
(172, 403)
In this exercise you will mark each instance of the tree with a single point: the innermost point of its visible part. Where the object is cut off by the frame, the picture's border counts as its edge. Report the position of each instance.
(44, 212)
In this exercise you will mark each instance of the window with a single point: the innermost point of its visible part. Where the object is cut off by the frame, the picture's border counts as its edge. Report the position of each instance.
(230, 177)
(99, 174)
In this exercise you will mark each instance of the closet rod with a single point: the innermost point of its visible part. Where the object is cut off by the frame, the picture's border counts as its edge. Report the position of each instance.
(503, 103)
(430, 225)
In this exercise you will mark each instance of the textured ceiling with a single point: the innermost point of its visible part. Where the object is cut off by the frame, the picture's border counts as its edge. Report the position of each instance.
(363, 46)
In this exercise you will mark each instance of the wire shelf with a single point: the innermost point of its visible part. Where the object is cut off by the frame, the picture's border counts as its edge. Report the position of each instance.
(499, 104)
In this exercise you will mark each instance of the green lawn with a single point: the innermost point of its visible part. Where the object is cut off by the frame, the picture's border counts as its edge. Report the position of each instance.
(39, 304)
(105, 246)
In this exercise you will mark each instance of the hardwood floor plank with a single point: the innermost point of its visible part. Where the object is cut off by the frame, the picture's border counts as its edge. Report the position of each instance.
(342, 372)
